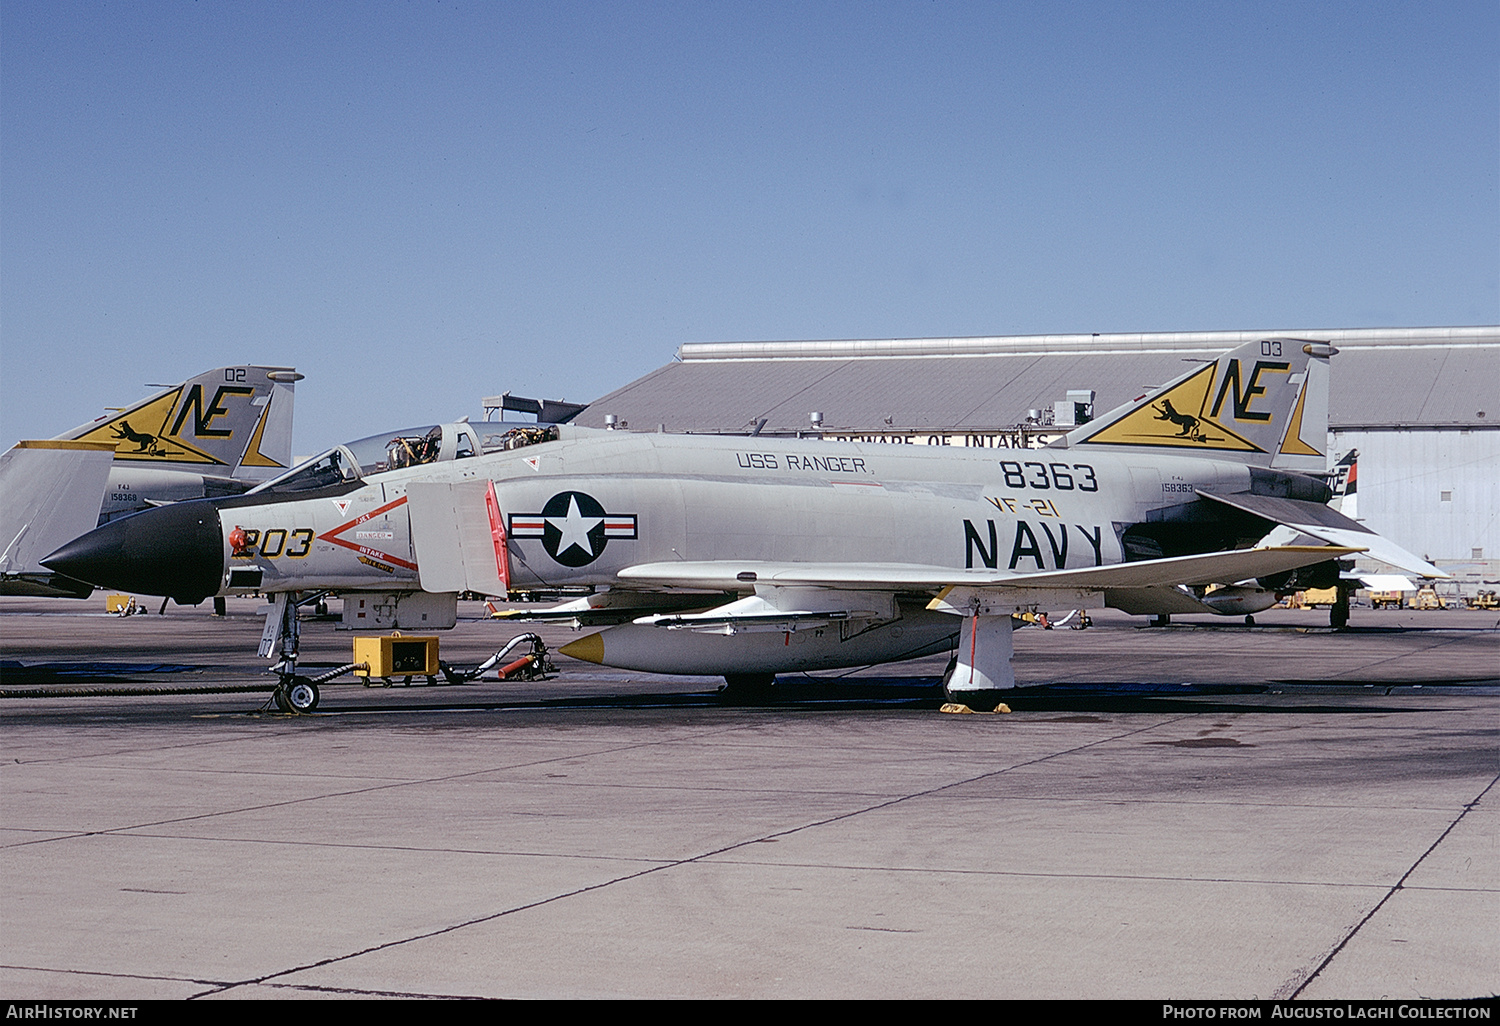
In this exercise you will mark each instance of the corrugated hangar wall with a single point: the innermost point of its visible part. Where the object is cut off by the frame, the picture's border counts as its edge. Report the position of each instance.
(1422, 405)
(1437, 492)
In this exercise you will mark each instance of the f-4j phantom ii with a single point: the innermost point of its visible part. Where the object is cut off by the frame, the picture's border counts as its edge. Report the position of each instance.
(219, 433)
(748, 557)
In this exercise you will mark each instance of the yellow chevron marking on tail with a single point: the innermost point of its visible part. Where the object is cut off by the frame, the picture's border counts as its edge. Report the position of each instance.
(253, 456)
(141, 434)
(1292, 444)
(1178, 418)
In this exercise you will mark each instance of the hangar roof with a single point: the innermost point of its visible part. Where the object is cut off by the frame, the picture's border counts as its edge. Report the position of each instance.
(1381, 377)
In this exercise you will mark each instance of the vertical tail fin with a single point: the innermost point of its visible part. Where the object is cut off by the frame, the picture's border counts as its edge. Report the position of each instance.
(49, 494)
(1264, 403)
(270, 448)
(1346, 485)
(228, 421)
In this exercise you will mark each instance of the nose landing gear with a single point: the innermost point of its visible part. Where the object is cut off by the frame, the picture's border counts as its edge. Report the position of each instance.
(297, 695)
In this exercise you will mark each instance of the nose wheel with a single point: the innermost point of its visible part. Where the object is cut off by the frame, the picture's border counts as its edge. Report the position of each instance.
(297, 695)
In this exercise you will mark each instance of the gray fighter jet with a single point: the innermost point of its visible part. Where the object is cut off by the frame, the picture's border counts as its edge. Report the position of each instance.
(748, 557)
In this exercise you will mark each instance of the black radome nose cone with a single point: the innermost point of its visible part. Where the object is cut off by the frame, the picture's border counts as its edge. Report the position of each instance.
(175, 550)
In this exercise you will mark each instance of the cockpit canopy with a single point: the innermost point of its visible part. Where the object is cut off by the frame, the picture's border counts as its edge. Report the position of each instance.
(333, 467)
(351, 462)
(409, 448)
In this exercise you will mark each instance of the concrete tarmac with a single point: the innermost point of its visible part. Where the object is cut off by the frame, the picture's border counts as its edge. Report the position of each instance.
(1199, 811)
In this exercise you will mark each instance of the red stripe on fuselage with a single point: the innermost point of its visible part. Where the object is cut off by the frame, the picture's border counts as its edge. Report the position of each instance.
(365, 550)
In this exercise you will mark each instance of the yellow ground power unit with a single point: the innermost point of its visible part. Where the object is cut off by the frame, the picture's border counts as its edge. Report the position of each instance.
(396, 655)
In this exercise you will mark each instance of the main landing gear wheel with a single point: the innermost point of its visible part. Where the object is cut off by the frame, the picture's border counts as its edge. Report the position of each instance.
(299, 695)
(948, 677)
(1338, 613)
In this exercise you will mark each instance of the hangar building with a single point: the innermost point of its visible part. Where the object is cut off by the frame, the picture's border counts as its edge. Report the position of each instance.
(1422, 406)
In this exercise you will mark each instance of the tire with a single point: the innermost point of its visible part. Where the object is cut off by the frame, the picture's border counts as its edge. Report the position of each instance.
(948, 676)
(301, 695)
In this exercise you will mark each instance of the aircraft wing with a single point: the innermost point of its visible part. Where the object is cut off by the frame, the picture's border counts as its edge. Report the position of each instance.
(50, 493)
(606, 608)
(1156, 601)
(791, 595)
(1326, 524)
(1384, 582)
(1209, 568)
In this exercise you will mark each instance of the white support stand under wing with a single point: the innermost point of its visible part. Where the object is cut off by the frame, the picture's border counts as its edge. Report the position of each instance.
(984, 651)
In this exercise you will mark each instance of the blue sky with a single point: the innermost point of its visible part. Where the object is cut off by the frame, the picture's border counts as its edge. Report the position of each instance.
(419, 204)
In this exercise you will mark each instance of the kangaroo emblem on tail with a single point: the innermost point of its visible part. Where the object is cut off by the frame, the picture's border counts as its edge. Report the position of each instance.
(1186, 421)
(145, 443)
